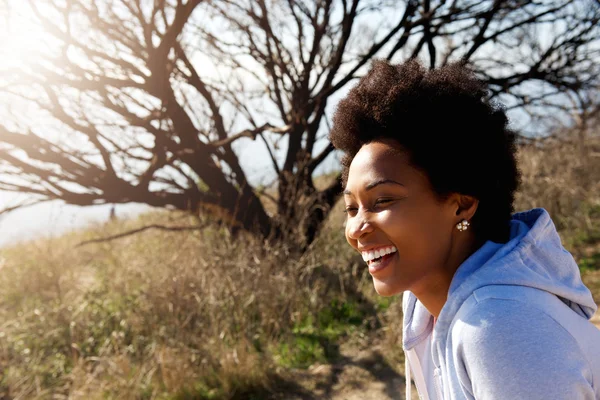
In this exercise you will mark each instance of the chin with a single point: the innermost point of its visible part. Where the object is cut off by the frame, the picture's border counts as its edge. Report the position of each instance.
(385, 290)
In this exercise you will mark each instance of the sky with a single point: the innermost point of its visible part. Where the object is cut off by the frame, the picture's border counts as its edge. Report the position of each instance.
(54, 218)
(18, 42)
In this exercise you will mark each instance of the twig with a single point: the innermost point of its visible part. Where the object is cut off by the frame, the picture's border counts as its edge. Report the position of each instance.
(138, 230)
(7, 210)
(251, 133)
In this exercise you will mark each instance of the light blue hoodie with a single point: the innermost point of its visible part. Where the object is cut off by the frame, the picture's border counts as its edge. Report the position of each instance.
(515, 325)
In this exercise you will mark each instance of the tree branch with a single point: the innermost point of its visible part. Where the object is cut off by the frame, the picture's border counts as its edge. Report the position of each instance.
(142, 229)
(249, 133)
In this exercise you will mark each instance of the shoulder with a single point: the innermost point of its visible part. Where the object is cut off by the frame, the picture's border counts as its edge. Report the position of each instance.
(504, 314)
(490, 323)
(503, 344)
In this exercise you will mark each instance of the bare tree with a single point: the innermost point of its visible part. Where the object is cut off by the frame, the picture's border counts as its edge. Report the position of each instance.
(148, 99)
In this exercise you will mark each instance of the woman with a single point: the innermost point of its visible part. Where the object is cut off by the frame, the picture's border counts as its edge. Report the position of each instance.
(494, 307)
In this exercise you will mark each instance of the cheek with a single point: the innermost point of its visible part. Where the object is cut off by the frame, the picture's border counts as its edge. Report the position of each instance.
(431, 241)
(351, 242)
(419, 234)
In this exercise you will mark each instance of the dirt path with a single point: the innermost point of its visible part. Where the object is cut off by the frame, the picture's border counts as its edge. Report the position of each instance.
(360, 373)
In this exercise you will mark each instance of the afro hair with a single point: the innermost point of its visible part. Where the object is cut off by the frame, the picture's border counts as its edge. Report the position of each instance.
(444, 121)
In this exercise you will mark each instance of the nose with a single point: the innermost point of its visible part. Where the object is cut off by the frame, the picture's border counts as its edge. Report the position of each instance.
(358, 226)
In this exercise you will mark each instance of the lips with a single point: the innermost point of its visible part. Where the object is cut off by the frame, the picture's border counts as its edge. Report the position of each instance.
(378, 264)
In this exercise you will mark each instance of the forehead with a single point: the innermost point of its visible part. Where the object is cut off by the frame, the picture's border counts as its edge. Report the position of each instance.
(379, 160)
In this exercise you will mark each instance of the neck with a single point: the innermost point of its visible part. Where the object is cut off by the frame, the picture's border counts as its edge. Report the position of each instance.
(435, 293)
(432, 291)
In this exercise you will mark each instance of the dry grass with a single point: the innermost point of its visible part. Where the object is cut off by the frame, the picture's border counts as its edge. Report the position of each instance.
(202, 315)
(157, 315)
(558, 177)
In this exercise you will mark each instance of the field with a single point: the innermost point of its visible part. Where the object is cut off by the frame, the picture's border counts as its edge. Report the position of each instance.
(203, 315)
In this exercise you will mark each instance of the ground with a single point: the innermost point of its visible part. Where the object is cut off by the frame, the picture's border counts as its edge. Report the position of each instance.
(360, 374)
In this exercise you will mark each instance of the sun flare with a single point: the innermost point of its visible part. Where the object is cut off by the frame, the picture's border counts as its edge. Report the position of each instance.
(20, 38)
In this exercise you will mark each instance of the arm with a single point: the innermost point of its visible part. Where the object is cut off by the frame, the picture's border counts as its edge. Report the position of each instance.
(506, 349)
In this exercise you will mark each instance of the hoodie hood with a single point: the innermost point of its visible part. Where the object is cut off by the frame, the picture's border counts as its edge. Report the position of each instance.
(533, 257)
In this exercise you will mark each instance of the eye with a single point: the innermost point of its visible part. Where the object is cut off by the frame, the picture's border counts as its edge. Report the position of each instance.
(350, 211)
(383, 201)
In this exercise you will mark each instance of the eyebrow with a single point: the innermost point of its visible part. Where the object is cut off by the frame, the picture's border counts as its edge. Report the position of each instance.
(376, 183)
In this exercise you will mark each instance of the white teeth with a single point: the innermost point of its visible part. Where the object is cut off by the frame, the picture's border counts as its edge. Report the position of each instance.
(373, 254)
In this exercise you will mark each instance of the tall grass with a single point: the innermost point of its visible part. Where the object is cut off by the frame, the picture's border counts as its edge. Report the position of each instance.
(160, 314)
(203, 315)
(557, 176)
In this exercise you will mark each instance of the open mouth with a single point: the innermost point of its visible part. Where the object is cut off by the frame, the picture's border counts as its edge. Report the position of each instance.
(380, 263)
(381, 259)
(378, 255)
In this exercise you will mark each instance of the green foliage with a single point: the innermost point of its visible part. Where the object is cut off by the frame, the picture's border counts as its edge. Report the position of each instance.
(384, 303)
(301, 352)
(591, 263)
(315, 338)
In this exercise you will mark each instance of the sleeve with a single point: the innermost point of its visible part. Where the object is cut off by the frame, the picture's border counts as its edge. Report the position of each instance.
(506, 349)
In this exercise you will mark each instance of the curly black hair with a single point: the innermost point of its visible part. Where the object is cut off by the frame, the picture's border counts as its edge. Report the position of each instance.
(443, 119)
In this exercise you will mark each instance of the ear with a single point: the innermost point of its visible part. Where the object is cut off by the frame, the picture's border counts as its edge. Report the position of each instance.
(466, 206)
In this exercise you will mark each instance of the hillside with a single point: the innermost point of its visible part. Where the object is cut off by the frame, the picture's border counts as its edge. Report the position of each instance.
(198, 314)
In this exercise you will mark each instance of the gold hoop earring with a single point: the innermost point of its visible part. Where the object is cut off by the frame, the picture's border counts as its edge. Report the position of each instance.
(463, 225)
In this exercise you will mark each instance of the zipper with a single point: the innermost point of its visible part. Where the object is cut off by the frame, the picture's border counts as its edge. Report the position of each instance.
(417, 373)
(437, 382)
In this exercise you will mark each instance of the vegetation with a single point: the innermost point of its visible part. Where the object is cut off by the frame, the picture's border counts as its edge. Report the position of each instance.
(167, 315)
(207, 315)
(147, 101)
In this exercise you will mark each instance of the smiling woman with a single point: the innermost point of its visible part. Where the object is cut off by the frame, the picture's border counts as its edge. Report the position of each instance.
(430, 174)
(390, 203)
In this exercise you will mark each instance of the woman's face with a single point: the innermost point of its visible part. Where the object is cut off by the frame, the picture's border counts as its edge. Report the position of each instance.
(400, 226)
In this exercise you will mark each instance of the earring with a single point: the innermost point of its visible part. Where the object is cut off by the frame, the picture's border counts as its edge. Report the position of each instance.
(463, 225)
